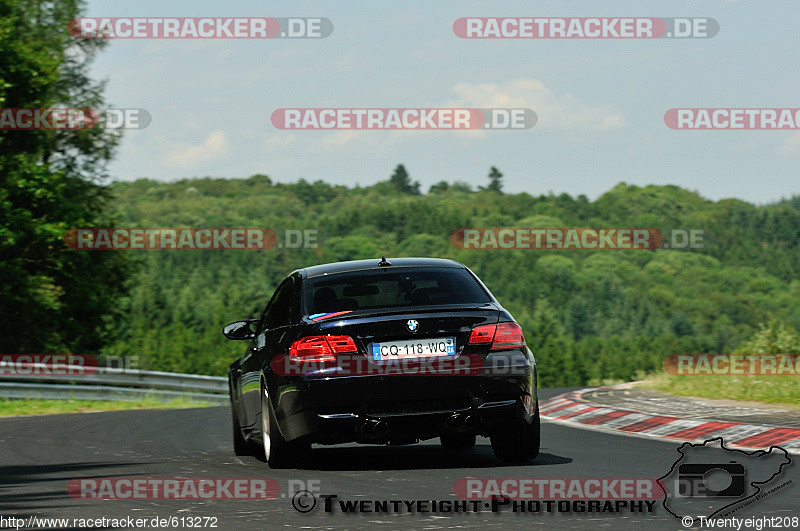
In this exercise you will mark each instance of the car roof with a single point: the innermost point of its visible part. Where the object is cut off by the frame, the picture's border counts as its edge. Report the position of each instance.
(362, 265)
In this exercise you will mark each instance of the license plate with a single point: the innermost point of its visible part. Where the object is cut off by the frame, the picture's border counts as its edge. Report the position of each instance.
(414, 348)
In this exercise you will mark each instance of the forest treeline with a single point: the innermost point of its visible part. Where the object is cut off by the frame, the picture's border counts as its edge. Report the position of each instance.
(589, 316)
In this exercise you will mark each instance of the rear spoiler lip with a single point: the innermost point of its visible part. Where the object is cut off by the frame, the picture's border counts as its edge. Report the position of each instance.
(407, 310)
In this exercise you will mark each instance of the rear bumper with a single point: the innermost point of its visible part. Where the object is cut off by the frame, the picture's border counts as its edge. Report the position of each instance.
(335, 410)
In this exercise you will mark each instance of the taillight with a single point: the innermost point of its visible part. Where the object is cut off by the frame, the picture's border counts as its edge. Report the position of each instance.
(502, 336)
(508, 335)
(342, 344)
(321, 348)
(482, 334)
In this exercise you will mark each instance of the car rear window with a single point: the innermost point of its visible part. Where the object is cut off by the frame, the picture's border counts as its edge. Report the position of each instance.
(395, 287)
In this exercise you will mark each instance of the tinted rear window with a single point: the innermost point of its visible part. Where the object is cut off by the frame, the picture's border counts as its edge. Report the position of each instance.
(394, 287)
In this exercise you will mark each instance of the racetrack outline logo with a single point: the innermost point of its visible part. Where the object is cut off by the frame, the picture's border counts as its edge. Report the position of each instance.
(756, 485)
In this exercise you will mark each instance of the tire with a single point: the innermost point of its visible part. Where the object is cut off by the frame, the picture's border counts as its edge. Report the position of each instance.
(518, 442)
(457, 441)
(240, 445)
(278, 452)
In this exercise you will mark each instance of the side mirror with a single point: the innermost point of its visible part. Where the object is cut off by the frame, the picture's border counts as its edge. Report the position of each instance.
(240, 330)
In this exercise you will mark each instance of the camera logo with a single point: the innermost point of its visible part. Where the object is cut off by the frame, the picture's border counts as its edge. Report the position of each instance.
(699, 480)
(710, 480)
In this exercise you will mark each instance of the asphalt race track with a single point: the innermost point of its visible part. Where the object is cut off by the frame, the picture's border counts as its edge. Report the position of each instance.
(41, 454)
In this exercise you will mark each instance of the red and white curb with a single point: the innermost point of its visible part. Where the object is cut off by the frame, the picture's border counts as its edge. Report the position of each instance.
(571, 408)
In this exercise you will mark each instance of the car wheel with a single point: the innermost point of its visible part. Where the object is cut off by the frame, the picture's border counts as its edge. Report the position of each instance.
(457, 441)
(278, 452)
(518, 442)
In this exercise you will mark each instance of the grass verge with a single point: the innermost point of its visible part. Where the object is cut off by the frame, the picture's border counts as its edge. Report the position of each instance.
(15, 407)
(777, 390)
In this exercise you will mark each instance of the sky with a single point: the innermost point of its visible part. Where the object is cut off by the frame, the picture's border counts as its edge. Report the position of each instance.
(600, 103)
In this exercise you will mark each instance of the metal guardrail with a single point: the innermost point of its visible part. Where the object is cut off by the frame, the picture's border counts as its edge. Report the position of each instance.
(56, 382)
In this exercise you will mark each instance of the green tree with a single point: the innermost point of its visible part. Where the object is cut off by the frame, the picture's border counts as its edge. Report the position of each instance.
(401, 181)
(52, 299)
(441, 186)
(461, 187)
(681, 325)
(495, 181)
(772, 338)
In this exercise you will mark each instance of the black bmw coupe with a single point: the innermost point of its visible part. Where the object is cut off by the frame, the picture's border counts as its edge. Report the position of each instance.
(389, 351)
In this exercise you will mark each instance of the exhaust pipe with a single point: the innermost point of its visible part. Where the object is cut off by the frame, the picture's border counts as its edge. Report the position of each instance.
(462, 422)
(373, 428)
(471, 422)
(380, 429)
(455, 422)
(366, 428)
